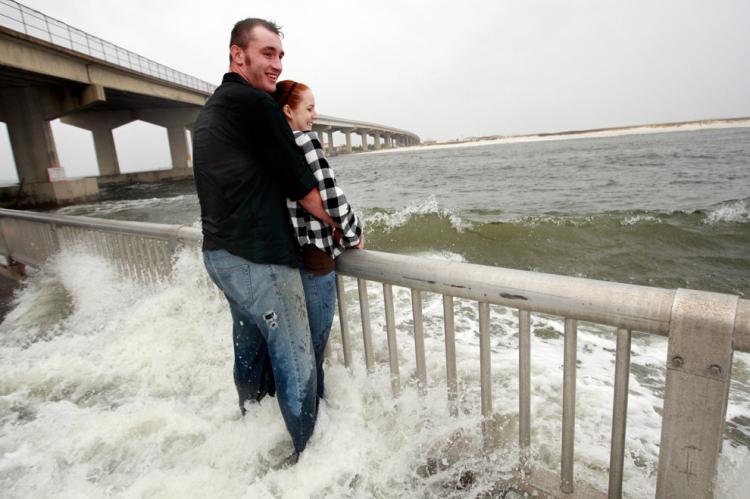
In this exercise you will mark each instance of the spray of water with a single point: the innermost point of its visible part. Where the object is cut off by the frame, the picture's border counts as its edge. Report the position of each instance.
(114, 388)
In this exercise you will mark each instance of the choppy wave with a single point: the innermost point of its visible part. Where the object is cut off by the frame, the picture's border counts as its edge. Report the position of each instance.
(390, 220)
(637, 219)
(700, 249)
(179, 209)
(107, 209)
(730, 212)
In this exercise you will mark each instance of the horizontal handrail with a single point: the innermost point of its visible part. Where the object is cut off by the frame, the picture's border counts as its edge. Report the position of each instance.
(627, 306)
(177, 233)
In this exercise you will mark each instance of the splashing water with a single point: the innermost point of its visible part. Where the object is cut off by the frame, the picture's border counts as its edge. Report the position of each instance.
(114, 388)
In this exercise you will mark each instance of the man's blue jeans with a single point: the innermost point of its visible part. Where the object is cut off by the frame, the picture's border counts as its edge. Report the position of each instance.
(320, 295)
(270, 323)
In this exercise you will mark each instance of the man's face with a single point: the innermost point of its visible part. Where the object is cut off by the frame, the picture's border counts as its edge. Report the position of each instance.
(260, 61)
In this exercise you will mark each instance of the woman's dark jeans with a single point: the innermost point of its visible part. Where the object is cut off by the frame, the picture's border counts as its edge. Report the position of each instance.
(320, 295)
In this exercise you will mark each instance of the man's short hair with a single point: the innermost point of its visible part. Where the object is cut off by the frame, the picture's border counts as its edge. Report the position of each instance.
(242, 29)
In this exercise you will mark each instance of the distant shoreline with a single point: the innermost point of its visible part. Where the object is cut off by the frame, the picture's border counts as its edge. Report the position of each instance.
(581, 134)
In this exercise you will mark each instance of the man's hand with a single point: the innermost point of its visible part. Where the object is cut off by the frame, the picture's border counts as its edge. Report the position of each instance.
(361, 244)
(313, 203)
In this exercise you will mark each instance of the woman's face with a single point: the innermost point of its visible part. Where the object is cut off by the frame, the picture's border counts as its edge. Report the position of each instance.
(303, 115)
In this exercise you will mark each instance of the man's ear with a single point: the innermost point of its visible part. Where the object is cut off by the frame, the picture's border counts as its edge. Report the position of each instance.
(236, 52)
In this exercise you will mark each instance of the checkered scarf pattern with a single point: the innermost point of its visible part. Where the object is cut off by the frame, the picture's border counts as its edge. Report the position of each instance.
(307, 228)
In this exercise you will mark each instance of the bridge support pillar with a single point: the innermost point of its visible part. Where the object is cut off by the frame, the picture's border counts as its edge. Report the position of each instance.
(178, 147)
(101, 124)
(321, 131)
(364, 140)
(330, 142)
(34, 150)
(348, 141)
(388, 141)
(30, 134)
(176, 121)
(377, 139)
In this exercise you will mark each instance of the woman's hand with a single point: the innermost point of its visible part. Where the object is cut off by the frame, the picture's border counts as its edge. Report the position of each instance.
(338, 235)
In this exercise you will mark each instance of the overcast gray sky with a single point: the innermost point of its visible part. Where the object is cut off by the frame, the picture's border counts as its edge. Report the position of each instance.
(456, 69)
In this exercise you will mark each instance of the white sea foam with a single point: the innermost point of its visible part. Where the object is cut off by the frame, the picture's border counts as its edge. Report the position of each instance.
(429, 206)
(638, 219)
(125, 390)
(732, 211)
(446, 256)
(535, 220)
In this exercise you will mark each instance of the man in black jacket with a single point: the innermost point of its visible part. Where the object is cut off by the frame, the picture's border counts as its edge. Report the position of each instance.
(246, 164)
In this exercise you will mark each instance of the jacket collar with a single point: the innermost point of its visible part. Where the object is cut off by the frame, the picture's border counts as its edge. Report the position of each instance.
(234, 77)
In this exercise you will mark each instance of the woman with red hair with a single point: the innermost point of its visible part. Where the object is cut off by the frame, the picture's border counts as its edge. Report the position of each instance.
(321, 243)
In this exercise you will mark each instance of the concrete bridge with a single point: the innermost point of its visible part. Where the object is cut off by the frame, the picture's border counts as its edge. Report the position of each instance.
(50, 70)
(391, 137)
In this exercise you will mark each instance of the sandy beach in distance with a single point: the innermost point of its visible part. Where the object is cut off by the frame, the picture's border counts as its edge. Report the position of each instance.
(604, 132)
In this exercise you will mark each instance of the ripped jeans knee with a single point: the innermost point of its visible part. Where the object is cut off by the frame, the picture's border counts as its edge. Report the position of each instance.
(271, 319)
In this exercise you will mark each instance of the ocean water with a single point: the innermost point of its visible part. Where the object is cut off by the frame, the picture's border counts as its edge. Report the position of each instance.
(667, 209)
(113, 388)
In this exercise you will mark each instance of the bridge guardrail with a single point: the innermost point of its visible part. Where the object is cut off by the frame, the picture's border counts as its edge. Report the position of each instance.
(18, 17)
(703, 330)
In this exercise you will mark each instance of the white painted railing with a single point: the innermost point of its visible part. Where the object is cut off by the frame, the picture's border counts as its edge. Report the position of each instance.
(703, 328)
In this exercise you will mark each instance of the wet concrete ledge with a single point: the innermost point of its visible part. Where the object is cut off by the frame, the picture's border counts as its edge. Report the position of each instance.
(9, 283)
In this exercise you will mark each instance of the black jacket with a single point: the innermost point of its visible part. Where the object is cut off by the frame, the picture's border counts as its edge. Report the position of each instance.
(246, 164)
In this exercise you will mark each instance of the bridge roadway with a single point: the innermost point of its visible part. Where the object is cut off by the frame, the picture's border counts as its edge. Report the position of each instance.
(50, 70)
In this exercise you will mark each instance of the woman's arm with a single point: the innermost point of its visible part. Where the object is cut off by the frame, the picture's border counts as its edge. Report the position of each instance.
(333, 198)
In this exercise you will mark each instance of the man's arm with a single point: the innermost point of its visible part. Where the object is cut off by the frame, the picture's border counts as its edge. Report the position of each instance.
(281, 157)
(313, 203)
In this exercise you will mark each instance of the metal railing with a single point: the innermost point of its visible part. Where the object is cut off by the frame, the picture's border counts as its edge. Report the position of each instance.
(18, 17)
(703, 328)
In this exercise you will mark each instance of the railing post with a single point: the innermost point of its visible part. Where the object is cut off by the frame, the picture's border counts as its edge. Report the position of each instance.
(16, 269)
(23, 20)
(450, 353)
(390, 324)
(364, 310)
(567, 481)
(344, 323)
(699, 363)
(416, 308)
(4, 240)
(524, 386)
(619, 413)
(49, 31)
(485, 374)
